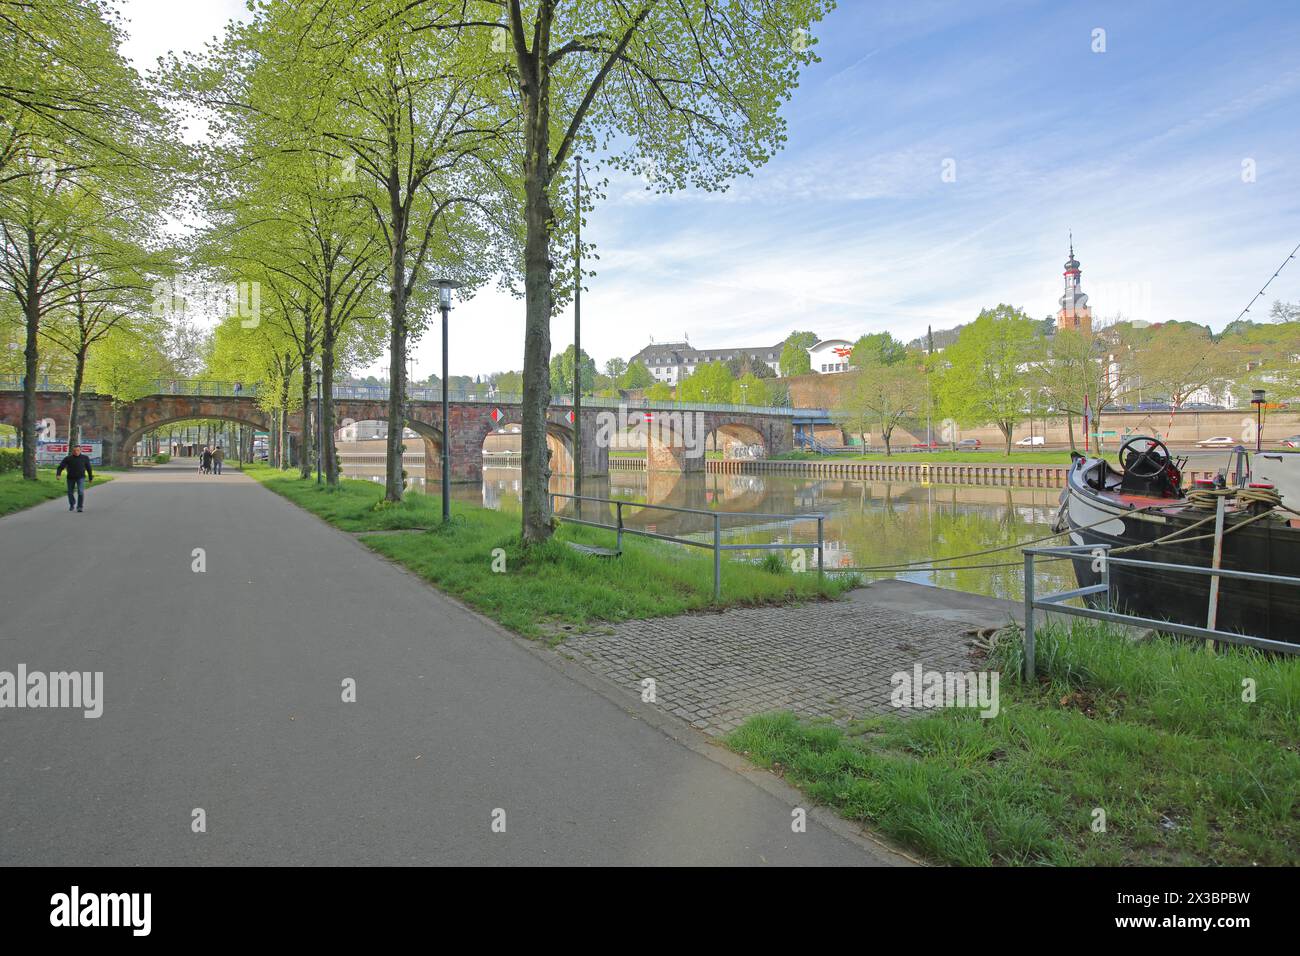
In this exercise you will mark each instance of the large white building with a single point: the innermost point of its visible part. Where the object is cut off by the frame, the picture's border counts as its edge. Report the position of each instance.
(670, 362)
(831, 355)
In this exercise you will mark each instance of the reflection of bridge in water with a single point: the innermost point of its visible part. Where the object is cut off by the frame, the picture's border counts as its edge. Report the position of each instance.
(868, 522)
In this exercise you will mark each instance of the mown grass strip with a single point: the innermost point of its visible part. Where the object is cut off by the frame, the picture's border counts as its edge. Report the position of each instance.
(16, 493)
(1160, 737)
(544, 590)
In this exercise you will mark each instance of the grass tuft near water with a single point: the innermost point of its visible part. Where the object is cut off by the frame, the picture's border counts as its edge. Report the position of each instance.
(1160, 736)
(545, 590)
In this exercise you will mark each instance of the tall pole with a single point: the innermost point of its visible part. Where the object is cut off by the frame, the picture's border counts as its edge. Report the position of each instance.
(577, 327)
(445, 303)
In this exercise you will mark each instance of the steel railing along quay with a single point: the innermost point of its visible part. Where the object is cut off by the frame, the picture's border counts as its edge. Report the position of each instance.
(715, 543)
(1055, 602)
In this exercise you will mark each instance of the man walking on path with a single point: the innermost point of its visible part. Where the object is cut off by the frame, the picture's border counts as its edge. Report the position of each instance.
(79, 471)
(218, 456)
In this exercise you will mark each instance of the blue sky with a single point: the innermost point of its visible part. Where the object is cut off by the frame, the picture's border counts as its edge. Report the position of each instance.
(1139, 150)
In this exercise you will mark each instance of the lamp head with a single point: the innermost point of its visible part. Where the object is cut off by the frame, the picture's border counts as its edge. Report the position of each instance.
(445, 287)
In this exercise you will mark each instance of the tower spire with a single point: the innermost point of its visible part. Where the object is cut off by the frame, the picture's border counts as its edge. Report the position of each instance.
(1074, 313)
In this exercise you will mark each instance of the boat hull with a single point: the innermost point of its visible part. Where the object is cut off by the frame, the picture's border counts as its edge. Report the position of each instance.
(1255, 608)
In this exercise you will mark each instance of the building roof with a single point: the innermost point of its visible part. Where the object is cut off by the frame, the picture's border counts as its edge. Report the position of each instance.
(682, 353)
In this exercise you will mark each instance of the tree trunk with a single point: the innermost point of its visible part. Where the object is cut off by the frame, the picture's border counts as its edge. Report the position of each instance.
(307, 444)
(393, 478)
(282, 422)
(1069, 424)
(1006, 433)
(535, 457)
(74, 413)
(329, 453)
(31, 356)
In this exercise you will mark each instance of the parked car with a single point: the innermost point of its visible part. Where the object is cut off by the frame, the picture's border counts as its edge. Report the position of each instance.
(1202, 407)
(1032, 441)
(968, 444)
(1219, 441)
(926, 446)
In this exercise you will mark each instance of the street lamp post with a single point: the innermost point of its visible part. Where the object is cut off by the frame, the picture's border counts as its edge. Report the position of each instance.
(320, 435)
(445, 287)
(1257, 399)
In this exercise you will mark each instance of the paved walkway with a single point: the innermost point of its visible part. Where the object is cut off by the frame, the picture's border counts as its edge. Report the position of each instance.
(830, 659)
(222, 691)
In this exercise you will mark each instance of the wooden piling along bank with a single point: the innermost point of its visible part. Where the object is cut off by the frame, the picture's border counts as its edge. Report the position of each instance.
(938, 473)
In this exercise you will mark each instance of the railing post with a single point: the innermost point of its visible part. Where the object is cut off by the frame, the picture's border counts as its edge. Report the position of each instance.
(717, 558)
(1029, 616)
(1105, 576)
(618, 509)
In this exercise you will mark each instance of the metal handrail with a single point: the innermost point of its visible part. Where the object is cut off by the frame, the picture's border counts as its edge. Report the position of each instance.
(1056, 602)
(716, 545)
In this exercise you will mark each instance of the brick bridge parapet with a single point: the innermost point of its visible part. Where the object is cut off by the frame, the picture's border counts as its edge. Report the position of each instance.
(119, 425)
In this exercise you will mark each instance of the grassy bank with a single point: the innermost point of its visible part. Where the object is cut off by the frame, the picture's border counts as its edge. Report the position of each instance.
(17, 494)
(1156, 735)
(546, 590)
(990, 457)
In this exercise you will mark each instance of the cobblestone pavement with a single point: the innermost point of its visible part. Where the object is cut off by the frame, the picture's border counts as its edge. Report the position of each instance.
(826, 659)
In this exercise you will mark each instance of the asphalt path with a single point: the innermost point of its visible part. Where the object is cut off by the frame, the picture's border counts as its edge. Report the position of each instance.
(223, 692)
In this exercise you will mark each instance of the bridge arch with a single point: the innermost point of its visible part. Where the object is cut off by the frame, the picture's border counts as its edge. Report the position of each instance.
(559, 440)
(735, 439)
(131, 437)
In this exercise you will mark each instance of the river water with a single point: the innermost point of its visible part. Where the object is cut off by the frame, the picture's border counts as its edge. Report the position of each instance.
(868, 523)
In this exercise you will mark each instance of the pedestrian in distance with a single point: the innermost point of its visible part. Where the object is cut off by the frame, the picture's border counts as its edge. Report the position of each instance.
(79, 472)
(218, 456)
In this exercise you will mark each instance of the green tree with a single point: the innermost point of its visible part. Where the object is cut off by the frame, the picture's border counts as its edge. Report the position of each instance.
(509, 383)
(398, 105)
(746, 364)
(794, 360)
(615, 367)
(562, 373)
(689, 92)
(987, 378)
(884, 395)
(79, 132)
(749, 389)
(710, 382)
(877, 348)
(661, 392)
(1176, 359)
(636, 376)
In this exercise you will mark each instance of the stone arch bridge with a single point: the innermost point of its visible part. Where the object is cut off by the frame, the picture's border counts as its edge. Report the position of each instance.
(675, 436)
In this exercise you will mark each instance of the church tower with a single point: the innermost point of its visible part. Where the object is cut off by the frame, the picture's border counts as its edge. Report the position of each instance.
(1074, 313)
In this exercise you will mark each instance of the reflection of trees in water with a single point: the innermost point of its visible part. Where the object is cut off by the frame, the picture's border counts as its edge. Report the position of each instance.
(868, 523)
(934, 523)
